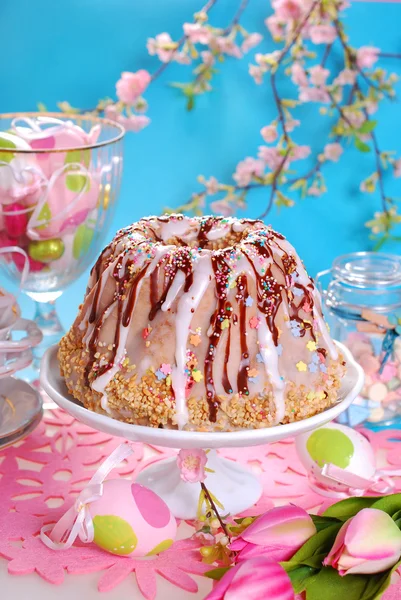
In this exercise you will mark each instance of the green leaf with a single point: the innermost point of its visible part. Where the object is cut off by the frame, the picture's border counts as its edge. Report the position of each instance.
(297, 184)
(380, 243)
(322, 522)
(218, 573)
(328, 584)
(367, 127)
(389, 504)
(348, 508)
(190, 103)
(317, 546)
(360, 145)
(300, 576)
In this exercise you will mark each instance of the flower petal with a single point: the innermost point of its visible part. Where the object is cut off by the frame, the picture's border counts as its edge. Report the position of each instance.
(284, 525)
(372, 534)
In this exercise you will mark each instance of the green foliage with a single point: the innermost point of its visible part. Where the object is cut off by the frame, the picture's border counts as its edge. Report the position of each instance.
(218, 573)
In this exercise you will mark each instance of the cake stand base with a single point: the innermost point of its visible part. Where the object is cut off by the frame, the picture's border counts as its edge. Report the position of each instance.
(233, 485)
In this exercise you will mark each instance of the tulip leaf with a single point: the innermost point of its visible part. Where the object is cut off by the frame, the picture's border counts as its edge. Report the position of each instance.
(348, 508)
(389, 504)
(300, 576)
(321, 522)
(218, 573)
(315, 548)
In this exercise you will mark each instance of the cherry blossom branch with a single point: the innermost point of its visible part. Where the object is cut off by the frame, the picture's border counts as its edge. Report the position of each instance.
(237, 17)
(214, 508)
(276, 176)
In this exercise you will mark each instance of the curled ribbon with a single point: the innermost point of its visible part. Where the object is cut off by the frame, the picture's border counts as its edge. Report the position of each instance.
(380, 483)
(77, 521)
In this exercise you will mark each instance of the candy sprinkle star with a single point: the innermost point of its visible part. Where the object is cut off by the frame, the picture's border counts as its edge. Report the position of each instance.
(301, 366)
(259, 358)
(225, 324)
(160, 375)
(195, 340)
(311, 345)
(249, 301)
(197, 375)
(254, 322)
(253, 373)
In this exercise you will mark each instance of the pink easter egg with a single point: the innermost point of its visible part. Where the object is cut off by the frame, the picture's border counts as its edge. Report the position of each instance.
(389, 371)
(369, 363)
(131, 520)
(15, 224)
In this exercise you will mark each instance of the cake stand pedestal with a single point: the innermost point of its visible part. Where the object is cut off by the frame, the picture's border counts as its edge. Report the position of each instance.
(236, 487)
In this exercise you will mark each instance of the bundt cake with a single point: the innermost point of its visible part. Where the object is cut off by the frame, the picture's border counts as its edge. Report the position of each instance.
(203, 323)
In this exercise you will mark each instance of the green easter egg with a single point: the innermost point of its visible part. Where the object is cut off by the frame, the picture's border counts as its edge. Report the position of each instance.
(46, 250)
(330, 446)
(5, 143)
(165, 545)
(76, 183)
(44, 216)
(82, 241)
(114, 534)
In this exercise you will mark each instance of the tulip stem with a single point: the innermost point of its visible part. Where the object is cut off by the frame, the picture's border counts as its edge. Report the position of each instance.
(214, 508)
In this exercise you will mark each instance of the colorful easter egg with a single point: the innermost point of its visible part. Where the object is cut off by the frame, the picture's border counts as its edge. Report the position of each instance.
(131, 520)
(82, 241)
(46, 250)
(337, 445)
(15, 219)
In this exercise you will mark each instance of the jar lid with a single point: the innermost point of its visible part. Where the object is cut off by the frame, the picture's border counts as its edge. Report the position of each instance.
(368, 270)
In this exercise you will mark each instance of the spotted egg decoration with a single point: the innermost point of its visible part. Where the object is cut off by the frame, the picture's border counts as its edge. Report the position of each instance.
(338, 445)
(131, 520)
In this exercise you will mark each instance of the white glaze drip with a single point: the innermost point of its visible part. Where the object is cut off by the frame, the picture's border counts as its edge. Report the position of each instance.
(190, 300)
(270, 357)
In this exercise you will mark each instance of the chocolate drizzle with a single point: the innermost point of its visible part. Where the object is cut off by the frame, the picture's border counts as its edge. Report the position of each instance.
(205, 226)
(225, 380)
(242, 379)
(222, 312)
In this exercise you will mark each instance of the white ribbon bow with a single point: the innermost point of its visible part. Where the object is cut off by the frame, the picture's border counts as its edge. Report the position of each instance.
(77, 521)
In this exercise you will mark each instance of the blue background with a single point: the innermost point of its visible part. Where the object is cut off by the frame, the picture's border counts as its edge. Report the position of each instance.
(76, 50)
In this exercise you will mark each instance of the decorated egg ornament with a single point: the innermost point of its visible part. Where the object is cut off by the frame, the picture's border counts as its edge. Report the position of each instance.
(119, 516)
(131, 520)
(336, 450)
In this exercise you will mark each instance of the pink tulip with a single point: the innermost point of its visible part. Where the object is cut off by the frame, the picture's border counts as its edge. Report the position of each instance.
(132, 85)
(257, 578)
(277, 534)
(368, 543)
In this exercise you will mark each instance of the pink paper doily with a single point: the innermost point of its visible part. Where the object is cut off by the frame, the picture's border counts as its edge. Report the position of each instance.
(40, 477)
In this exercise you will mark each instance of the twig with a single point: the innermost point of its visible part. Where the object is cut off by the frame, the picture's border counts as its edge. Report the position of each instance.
(236, 18)
(276, 175)
(214, 508)
(180, 43)
(379, 169)
(389, 55)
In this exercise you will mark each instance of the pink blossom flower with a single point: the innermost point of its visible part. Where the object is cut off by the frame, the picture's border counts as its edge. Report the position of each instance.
(269, 133)
(211, 185)
(367, 56)
(313, 94)
(111, 112)
(192, 465)
(252, 40)
(397, 168)
(298, 75)
(226, 45)
(163, 46)
(257, 73)
(197, 33)
(299, 152)
(132, 85)
(275, 26)
(345, 77)
(371, 107)
(207, 58)
(133, 122)
(368, 543)
(314, 190)
(182, 58)
(246, 169)
(356, 118)
(322, 34)
(318, 75)
(333, 151)
(257, 578)
(270, 156)
(291, 124)
(288, 9)
(222, 207)
(276, 535)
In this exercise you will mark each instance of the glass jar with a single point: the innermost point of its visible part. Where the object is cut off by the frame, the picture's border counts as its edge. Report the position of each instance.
(360, 293)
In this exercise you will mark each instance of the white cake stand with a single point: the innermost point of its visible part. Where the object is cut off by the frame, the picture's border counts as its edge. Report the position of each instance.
(236, 487)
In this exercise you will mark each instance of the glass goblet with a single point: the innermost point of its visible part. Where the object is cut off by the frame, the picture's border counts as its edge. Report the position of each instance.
(59, 180)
